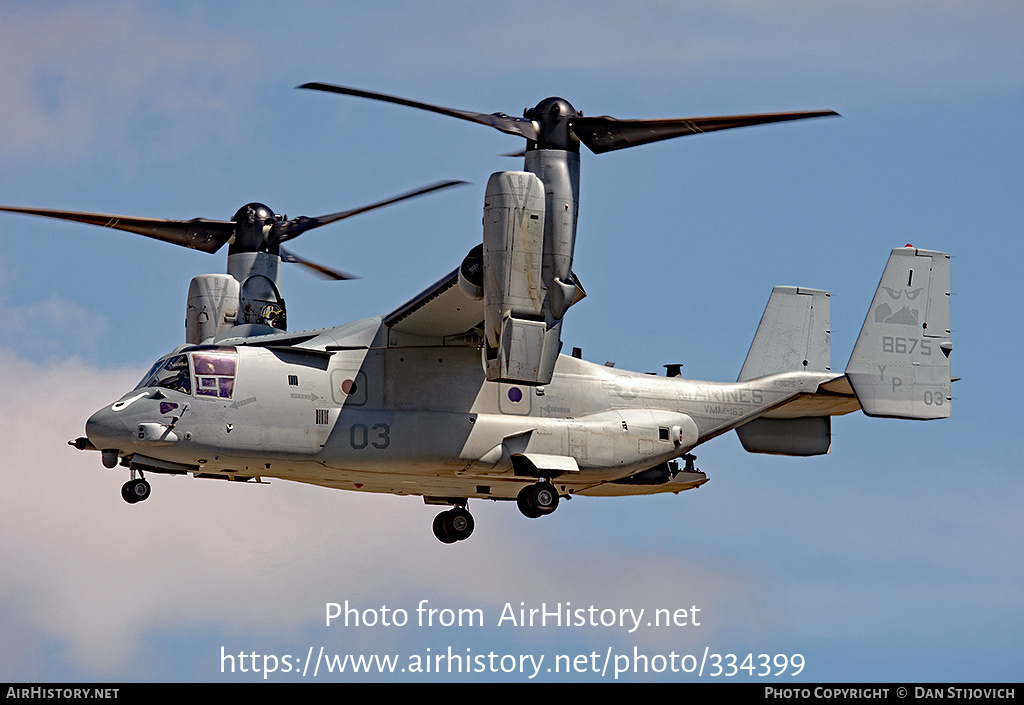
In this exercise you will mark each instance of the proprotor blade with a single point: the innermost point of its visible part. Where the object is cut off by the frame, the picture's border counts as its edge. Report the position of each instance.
(197, 234)
(605, 134)
(280, 232)
(319, 269)
(499, 121)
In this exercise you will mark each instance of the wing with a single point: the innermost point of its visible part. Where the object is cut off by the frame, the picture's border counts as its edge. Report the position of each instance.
(441, 310)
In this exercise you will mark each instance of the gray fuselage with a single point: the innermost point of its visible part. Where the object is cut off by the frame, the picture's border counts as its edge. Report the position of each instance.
(348, 410)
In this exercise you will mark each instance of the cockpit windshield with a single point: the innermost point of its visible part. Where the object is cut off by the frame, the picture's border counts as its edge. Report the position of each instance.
(213, 369)
(170, 373)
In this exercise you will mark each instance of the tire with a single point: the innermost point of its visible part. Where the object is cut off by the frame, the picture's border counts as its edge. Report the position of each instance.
(441, 530)
(135, 491)
(537, 500)
(126, 493)
(525, 506)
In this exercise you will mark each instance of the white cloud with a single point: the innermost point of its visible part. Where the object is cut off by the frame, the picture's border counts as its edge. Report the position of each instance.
(55, 328)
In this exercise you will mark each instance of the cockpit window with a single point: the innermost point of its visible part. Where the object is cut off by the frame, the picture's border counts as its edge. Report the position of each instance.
(215, 374)
(171, 373)
(213, 367)
(145, 381)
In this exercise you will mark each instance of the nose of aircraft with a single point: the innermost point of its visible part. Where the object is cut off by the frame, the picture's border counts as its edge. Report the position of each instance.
(106, 429)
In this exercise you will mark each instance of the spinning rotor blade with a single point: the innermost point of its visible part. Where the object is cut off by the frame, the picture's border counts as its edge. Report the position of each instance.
(499, 121)
(197, 234)
(288, 230)
(319, 269)
(605, 134)
(555, 124)
(254, 227)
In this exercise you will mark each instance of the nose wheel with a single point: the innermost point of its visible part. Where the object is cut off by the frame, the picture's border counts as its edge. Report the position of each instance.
(453, 525)
(537, 500)
(135, 491)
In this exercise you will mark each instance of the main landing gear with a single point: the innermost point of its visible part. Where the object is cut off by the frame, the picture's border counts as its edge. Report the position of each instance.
(136, 489)
(456, 524)
(537, 500)
(453, 525)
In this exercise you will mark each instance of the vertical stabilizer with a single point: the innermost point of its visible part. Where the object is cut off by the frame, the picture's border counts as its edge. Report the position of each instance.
(793, 336)
(900, 365)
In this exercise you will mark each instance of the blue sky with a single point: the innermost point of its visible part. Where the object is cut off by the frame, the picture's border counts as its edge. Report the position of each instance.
(895, 558)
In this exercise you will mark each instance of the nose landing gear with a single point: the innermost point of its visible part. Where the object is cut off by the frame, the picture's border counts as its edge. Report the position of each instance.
(136, 489)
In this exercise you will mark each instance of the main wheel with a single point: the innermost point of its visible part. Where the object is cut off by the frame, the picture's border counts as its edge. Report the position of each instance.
(453, 525)
(441, 529)
(460, 523)
(523, 502)
(537, 500)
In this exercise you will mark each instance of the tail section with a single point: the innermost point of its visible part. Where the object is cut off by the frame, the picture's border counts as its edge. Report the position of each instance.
(900, 364)
(899, 368)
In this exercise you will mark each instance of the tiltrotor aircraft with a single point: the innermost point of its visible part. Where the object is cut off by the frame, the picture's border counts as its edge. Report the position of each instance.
(462, 393)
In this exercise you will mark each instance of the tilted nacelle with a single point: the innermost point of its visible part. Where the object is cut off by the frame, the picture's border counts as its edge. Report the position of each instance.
(250, 292)
(523, 274)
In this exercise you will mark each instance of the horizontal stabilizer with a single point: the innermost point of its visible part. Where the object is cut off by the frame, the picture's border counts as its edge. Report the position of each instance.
(810, 435)
(900, 364)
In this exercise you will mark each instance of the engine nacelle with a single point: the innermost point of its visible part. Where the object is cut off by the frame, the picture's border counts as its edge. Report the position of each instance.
(521, 335)
(212, 306)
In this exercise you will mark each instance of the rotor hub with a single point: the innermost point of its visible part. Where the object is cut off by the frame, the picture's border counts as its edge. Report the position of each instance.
(554, 116)
(250, 220)
(551, 108)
